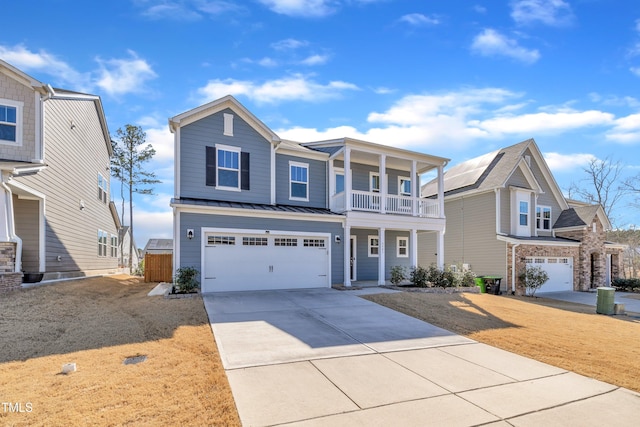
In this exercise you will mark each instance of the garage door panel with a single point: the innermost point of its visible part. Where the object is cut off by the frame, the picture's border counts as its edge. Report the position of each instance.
(245, 262)
(560, 271)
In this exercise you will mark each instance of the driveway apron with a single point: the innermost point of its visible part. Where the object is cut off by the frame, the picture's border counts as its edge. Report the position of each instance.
(323, 357)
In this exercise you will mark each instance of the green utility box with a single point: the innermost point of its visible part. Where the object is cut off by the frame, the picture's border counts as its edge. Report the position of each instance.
(605, 304)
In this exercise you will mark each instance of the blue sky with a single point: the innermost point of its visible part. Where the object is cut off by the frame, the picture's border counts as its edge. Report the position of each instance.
(451, 78)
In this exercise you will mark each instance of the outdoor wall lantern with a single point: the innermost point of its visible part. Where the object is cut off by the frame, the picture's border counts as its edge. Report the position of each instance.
(190, 233)
(338, 239)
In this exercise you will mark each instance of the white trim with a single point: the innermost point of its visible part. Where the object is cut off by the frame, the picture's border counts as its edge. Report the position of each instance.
(536, 242)
(353, 256)
(291, 181)
(177, 238)
(334, 186)
(413, 247)
(542, 207)
(19, 106)
(381, 256)
(406, 247)
(41, 199)
(256, 213)
(370, 246)
(231, 149)
(228, 124)
(38, 150)
(272, 172)
(371, 189)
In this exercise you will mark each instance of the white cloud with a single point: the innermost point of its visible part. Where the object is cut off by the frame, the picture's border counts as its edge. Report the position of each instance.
(152, 225)
(418, 19)
(635, 70)
(549, 12)
(302, 8)
(383, 90)
(120, 76)
(626, 130)
(491, 43)
(315, 60)
(543, 122)
(162, 141)
(189, 10)
(565, 162)
(289, 44)
(43, 62)
(290, 88)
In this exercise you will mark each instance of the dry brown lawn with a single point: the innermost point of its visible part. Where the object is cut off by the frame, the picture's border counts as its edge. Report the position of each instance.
(97, 323)
(566, 335)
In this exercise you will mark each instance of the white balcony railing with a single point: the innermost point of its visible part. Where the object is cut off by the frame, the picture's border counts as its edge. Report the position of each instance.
(394, 204)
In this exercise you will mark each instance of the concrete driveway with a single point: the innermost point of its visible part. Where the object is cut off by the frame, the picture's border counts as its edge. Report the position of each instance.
(324, 357)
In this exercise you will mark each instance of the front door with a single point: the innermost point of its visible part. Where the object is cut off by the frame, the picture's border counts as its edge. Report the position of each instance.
(352, 253)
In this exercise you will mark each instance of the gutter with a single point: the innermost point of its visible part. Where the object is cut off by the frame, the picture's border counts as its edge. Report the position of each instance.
(11, 229)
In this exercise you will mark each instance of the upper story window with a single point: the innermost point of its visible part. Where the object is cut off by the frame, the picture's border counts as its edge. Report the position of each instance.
(404, 186)
(10, 122)
(102, 188)
(298, 181)
(374, 182)
(523, 211)
(543, 217)
(339, 177)
(228, 167)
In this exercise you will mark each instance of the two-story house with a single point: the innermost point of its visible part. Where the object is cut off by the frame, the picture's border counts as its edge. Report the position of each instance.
(56, 218)
(253, 211)
(505, 210)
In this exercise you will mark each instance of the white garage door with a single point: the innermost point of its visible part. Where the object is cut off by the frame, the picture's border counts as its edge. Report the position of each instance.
(560, 271)
(245, 261)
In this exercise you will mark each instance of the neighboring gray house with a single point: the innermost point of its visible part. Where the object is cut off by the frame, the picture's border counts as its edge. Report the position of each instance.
(126, 237)
(55, 148)
(505, 210)
(158, 246)
(252, 211)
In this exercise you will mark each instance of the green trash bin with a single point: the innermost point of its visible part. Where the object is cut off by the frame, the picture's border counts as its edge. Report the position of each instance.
(606, 296)
(481, 283)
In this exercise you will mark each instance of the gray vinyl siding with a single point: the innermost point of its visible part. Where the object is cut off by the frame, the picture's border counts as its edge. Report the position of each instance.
(505, 210)
(207, 132)
(360, 177)
(546, 198)
(391, 258)
(366, 266)
(27, 213)
(470, 236)
(427, 249)
(12, 90)
(317, 182)
(190, 250)
(74, 158)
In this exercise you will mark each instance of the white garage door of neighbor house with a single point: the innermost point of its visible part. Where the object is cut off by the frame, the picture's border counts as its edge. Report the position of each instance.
(245, 262)
(560, 271)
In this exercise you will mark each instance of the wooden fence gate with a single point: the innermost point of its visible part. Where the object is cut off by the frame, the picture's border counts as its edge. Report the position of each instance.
(158, 268)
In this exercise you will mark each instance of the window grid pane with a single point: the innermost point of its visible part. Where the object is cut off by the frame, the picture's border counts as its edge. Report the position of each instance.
(285, 241)
(315, 243)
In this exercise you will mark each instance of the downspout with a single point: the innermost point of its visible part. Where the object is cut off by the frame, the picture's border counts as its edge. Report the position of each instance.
(513, 268)
(11, 229)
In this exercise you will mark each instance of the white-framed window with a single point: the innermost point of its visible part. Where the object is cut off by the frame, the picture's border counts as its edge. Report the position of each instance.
(228, 124)
(373, 246)
(228, 167)
(298, 181)
(523, 213)
(404, 186)
(339, 180)
(374, 182)
(255, 241)
(114, 246)
(402, 247)
(285, 241)
(10, 122)
(221, 240)
(594, 227)
(543, 217)
(313, 243)
(102, 243)
(102, 188)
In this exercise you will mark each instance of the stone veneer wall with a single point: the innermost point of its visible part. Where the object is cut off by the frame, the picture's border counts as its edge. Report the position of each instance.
(9, 279)
(523, 251)
(592, 244)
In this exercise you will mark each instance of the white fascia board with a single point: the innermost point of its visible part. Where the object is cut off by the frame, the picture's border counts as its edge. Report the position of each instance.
(256, 213)
(394, 222)
(536, 242)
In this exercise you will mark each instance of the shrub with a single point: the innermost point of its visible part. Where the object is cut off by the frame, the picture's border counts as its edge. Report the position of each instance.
(419, 276)
(533, 278)
(631, 284)
(139, 270)
(185, 280)
(398, 274)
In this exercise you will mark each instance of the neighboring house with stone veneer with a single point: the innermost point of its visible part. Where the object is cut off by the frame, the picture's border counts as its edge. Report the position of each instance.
(55, 214)
(505, 210)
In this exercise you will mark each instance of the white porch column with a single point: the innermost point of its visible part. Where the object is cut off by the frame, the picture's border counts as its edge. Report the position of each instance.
(347, 178)
(415, 188)
(346, 241)
(440, 250)
(384, 186)
(413, 247)
(381, 256)
(441, 192)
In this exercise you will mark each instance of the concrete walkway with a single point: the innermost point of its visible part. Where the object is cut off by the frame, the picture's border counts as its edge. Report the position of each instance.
(323, 357)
